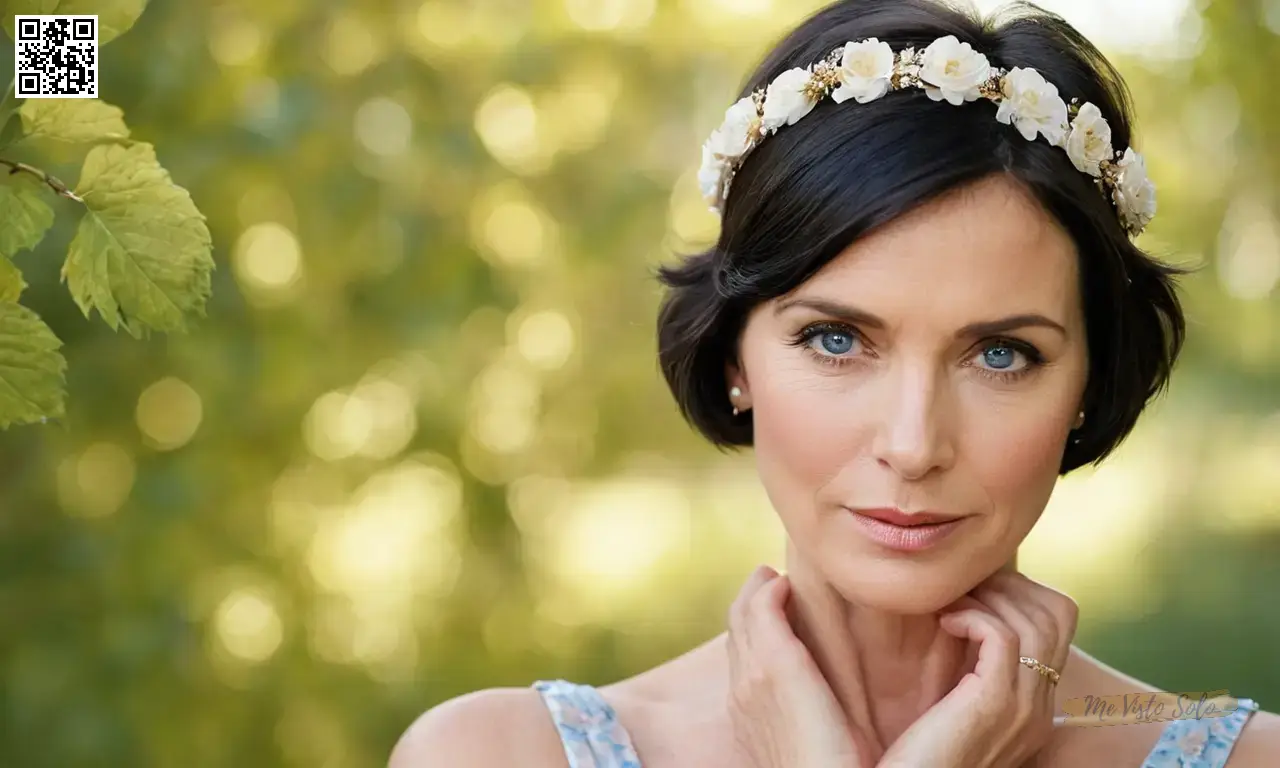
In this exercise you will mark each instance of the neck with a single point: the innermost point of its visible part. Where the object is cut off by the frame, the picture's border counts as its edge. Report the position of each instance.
(886, 669)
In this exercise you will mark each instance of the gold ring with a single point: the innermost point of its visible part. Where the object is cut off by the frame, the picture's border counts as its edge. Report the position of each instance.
(1044, 669)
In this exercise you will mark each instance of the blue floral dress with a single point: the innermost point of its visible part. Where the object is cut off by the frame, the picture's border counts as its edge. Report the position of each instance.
(593, 737)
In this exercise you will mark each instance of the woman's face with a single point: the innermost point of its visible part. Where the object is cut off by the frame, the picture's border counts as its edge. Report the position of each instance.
(937, 365)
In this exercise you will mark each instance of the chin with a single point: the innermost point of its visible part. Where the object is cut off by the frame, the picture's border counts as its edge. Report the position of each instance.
(905, 585)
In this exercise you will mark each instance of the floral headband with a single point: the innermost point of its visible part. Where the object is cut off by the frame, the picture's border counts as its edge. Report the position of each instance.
(947, 70)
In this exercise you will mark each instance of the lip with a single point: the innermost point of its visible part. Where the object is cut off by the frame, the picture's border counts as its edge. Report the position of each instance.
(895, 516)
(905, 532)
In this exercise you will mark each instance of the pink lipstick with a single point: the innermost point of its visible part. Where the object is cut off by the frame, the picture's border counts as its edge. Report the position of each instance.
(903, 531)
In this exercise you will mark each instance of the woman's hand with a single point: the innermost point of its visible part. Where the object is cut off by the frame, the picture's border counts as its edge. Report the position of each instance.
(1000, 714)
(784, 713)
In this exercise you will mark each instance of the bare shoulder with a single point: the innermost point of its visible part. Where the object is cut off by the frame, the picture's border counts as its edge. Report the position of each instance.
(1259, 742)
(492, 728)
(1256, 747)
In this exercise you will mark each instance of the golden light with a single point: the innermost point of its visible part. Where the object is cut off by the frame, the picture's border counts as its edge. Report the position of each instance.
(336, 426)
(514, 231)
(545, 339)
(504, 406)
(689, 217)
(507, 123)
(96, 482)
(396, 542)
(608, 15)
(577, 113)
(301, 498)
(350, 45)
(383, 127)
(718, 13)
(744, 7)
(1097, 521)
(609, 541)
(267, 259)
(248, 625)
(168, 413)
(376, 419)
(1246, 459)
(1249, 250)
(393, 419)
(234, 39)
(443, 24)
(509, 229)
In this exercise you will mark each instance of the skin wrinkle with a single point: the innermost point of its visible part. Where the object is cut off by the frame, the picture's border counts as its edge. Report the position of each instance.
(912, 423)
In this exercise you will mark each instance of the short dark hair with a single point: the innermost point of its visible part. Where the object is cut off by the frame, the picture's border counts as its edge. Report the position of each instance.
(804, 196)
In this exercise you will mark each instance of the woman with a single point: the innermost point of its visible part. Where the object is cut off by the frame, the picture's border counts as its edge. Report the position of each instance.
(924, 307)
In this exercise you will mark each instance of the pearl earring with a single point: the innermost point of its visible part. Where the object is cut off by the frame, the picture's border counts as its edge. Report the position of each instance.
(1080, 420)
(734, 394)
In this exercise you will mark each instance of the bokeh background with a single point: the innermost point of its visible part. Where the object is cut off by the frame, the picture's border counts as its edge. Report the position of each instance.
(421, 446)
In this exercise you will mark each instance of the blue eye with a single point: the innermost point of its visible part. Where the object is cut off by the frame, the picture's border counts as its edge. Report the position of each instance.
(999, 357)
(836, 342)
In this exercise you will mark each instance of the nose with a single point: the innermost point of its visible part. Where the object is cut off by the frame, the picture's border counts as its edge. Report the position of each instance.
(913, 436)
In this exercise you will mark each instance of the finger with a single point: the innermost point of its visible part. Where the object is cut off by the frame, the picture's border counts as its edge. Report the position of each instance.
(739, 609)
(1035, 629)
(1046, 606)
(997, 645)
(774, 645)
(767, 625)
(1034, 640)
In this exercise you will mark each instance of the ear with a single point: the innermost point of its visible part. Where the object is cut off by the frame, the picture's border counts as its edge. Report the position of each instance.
(734, 377)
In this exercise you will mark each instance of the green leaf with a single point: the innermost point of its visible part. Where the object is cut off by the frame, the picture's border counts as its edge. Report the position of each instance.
(24, 8)
(114, 16)
(24, 215)
(32, 371)
(73, 120)
(142, 255)
(11, 283)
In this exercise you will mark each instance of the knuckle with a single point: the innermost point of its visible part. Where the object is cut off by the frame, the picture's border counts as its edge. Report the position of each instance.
(1004, 634)
(1044, 619)
(1067, 609)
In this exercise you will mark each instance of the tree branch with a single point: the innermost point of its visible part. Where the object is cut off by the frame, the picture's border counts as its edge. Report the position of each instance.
(53, 183)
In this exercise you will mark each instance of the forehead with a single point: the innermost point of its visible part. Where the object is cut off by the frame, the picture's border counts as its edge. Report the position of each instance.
(986, 248)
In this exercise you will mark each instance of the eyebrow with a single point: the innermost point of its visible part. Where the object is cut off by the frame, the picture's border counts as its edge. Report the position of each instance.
(861, 317)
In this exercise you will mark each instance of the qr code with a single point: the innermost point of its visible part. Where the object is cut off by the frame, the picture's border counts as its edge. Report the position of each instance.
(56, 57)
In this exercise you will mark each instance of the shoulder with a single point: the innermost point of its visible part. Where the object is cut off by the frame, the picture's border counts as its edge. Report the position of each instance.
(1259, 742)
(492, 728)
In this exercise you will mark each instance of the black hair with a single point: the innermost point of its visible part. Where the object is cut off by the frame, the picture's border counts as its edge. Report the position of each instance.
(802, 197)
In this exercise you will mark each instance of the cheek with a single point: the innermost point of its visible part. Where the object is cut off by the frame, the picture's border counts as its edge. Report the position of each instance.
(802, 438)
(1018, 466)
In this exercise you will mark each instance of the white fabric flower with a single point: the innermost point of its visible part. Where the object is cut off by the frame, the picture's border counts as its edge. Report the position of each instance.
(865, 69)
(734, 136)
(1089, 142)
(711, 176)
(786, 101)
(952, 70)
(1134, 194)
(1032, 105)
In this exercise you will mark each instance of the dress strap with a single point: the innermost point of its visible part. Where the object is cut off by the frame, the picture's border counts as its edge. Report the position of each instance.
(1200, 742)
(588, 726)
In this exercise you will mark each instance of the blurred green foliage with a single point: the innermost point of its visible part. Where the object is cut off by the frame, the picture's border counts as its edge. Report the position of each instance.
(141, 255)
(420, 446)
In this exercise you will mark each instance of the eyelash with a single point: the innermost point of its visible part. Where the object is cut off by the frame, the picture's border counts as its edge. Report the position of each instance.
(809, 333)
